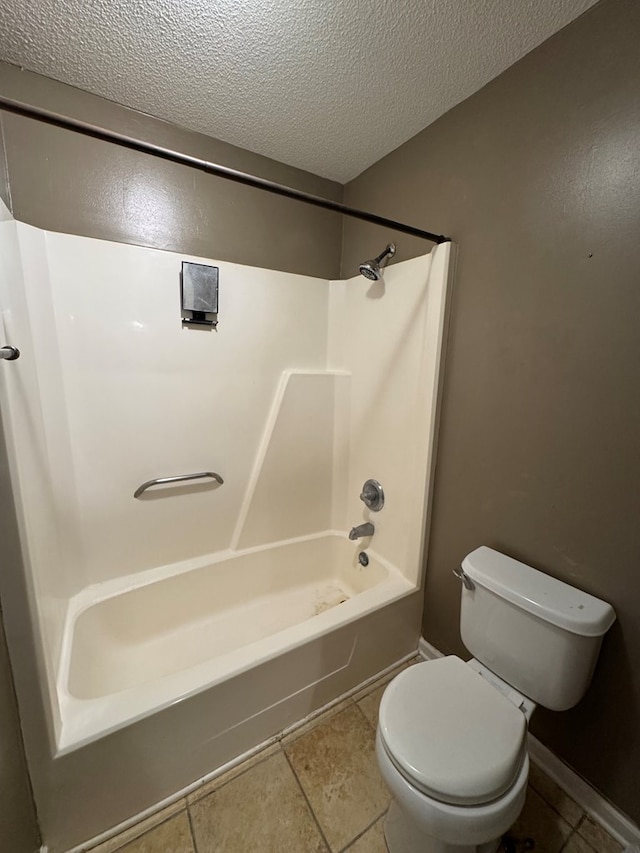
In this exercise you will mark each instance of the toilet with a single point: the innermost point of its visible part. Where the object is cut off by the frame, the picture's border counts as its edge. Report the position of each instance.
(452, 735)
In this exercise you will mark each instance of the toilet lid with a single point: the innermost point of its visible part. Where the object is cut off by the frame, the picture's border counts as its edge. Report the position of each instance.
(450, 733)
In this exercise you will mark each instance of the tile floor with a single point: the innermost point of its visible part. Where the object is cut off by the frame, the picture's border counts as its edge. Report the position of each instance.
(318, 790)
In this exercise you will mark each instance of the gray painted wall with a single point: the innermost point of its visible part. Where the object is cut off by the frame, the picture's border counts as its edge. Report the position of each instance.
(62, 181)
(537, 177)
(4, 177)
(18, 826)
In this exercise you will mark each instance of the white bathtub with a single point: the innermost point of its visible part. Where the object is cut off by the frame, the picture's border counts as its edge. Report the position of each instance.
(139, 644)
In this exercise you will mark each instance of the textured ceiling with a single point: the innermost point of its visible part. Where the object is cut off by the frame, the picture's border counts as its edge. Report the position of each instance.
(326, 85)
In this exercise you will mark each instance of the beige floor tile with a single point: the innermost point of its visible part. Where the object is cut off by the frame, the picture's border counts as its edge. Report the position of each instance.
(219, 781)
(370, 705)
(119, 841)
(372, 841)
(337, 769)
(577, 844)
(261, 810)
(173, 836)
(320, 720)
(541, 823)
(555, 796)
(596, 836)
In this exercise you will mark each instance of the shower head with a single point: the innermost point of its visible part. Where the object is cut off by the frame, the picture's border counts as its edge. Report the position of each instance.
(371, 269)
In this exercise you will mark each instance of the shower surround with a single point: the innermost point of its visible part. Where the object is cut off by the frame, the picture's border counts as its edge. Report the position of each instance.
(208, 616)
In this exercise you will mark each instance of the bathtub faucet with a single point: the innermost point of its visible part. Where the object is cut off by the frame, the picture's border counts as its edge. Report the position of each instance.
(366, 529)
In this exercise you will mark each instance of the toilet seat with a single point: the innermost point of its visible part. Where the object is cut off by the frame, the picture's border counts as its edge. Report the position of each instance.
(451, 734)
(465, 825)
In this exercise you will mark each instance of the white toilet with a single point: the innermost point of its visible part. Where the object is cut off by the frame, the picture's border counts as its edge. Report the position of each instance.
(451, 742)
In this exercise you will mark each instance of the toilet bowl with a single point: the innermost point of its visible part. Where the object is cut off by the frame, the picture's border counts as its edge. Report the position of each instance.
(459, 829)
(452, 749)
(452, 735)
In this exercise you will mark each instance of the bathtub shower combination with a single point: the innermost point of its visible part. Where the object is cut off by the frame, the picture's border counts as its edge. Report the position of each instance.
(185, 494)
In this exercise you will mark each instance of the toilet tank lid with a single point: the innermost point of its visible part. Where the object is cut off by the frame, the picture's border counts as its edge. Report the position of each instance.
(540, 594)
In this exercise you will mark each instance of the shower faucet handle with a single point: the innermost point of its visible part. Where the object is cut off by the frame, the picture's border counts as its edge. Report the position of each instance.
(372, 495)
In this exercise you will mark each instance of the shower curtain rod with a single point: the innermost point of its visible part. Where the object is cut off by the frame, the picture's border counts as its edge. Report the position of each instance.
(87, 129)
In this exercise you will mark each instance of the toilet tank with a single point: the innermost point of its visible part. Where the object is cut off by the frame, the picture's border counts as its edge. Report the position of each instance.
(537, 633)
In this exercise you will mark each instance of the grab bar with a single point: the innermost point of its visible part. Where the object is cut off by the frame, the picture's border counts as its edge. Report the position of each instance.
(179, 478)
(9, 353)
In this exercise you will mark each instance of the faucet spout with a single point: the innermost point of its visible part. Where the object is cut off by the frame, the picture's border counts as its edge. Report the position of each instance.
(366, 529)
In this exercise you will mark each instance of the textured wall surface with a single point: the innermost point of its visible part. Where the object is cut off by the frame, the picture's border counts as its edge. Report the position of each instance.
(537, 177)
(61, 181)
(326, 86)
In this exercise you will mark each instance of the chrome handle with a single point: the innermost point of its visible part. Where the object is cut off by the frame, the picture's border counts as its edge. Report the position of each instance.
(9, 353)
(372, 495)
(179, 478)
(466, 580)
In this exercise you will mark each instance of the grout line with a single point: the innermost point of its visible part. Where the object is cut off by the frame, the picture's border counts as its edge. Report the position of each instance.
(367, 720)
(256, 762)
(194, 843)
(575, 833)
(576, 828)
(364, 831)
(554, 809)
(114, 838)
(561, 816)
(566, 842)
(309, 806)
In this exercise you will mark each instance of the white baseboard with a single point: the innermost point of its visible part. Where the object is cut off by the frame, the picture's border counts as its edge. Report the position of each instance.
(591, 801)
(427, 651)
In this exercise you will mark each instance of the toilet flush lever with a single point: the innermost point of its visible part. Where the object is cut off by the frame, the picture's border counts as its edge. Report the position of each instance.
(466, 580)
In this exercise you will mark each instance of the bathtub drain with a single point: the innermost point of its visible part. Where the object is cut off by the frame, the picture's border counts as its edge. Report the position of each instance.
(328, 599)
